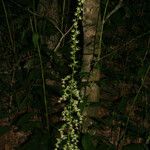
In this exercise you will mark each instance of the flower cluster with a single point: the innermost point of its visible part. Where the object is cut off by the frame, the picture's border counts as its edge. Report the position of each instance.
(72, 117)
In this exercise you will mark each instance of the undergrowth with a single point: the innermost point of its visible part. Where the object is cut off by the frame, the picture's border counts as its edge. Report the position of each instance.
(31, 75)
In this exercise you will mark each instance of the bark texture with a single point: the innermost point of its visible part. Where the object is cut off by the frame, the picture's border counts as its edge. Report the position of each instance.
(91, 29)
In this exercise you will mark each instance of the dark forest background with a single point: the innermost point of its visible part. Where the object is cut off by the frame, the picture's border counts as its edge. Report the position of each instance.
(124, 82)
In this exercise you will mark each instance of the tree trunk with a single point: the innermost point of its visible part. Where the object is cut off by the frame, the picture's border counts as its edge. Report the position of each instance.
(91, 29)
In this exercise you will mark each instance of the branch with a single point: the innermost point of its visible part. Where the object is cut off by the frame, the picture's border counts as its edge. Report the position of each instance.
(52, 21)
(118, 6)
(63, 36)
(127, 43)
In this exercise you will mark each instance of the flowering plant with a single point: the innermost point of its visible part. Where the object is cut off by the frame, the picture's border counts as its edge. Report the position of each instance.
(71, 115)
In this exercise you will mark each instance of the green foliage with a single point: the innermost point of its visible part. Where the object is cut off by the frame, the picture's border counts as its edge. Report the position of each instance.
(26, 122)
(35, 39)
(106, 147)
(38, 140)
(135, 147)
(3, 130)
(122, 105)
(95, 143)
(123, 64)
(87, 142)
(46, 27)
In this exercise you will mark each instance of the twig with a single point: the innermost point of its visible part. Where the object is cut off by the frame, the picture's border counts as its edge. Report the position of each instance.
(127, 43)
(51, 20)
(101, 32)
(63, 36)
(8, 25)
(38, 15)
(132, 105)
(118, 6)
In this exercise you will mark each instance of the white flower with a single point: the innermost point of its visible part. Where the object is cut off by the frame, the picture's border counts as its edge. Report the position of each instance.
(72, 114)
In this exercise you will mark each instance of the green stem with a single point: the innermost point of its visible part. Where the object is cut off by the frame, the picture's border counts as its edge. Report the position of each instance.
(134, 100)
(62, 19)
(44, 89)
(42, 72)
(101, 31)
(11, 39)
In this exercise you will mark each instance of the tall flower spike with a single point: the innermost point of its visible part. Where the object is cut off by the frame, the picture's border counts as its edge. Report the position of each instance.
(71, 115)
